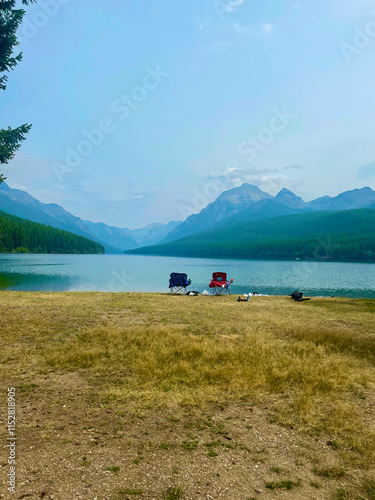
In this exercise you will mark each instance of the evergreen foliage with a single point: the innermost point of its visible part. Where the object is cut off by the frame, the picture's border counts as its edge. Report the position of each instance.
(23, 236)
(10, 19)
(347, 236)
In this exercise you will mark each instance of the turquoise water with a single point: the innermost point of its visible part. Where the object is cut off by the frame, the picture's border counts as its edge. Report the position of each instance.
(124, 273)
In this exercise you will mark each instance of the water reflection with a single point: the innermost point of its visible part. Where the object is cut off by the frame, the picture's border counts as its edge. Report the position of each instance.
(35, 283)
(122, 273)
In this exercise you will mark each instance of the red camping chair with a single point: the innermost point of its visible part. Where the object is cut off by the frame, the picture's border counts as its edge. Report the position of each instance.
(220, 284)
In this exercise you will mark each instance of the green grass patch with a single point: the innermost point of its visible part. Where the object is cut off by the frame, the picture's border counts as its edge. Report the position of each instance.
(165, 446)
(329, 472)
(277, 470)
(333, 444)
(173, 494)
(369, 487)
(282, 485)
(115, 469)
(189, 445)
(27, 387)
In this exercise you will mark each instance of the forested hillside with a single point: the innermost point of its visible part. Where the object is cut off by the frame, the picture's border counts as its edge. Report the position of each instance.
(23, 236)
(340, 236)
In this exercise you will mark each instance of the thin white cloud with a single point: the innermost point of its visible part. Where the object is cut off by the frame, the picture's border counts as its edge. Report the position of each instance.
(252, 30)
(234, 4)
(294, 167)
(245, 30)
(267, 179)
(241, 173)
(223, 7)
(267, 28)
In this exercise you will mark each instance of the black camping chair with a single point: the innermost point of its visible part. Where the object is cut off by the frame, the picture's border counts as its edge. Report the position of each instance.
(178, 283)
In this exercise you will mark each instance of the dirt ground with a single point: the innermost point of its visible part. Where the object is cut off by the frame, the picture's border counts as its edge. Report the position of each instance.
(70, 448)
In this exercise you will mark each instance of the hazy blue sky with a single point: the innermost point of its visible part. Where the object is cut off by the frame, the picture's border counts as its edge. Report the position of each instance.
(179, 89)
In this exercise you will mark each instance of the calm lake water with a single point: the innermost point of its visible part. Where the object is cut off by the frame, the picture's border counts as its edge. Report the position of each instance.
(124, 273)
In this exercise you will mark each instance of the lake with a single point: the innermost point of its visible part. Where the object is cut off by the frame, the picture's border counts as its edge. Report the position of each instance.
(135, 273)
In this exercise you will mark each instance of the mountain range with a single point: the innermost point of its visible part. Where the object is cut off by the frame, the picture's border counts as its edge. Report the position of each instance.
(114, 239)
(347, 236)
(227, 204)
(246, 203)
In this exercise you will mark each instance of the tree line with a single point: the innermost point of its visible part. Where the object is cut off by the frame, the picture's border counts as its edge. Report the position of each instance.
(333, 248)
(23, 236)
(347, 236)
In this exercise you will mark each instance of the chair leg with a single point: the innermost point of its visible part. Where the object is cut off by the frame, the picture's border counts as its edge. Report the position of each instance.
(178, 289)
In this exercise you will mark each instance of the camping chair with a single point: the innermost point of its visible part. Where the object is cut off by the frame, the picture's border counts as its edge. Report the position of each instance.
(220, 284)
(178, 283)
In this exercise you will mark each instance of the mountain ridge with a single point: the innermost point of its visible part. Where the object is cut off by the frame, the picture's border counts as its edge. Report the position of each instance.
(228, 203)
(347, 235)
(284, 203)
(246, 203)
(115, 240)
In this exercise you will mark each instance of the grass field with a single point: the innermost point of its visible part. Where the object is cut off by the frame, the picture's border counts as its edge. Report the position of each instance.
(174, 397)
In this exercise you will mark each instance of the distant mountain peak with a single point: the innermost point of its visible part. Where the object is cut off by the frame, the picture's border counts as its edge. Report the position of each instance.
(244, 191)
(227, 204)
(245, 187)
(248, 186)
(286, 192)
(154, 224)
(290, 199)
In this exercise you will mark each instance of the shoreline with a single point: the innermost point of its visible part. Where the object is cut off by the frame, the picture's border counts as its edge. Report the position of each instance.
(252, 259)
(166, 294)
(244, 259)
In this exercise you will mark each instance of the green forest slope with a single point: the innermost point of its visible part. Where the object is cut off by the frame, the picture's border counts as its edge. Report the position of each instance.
(341, 236)
(23, 236)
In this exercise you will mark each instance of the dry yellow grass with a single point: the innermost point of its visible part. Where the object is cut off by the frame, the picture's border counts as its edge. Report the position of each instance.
(151, 351)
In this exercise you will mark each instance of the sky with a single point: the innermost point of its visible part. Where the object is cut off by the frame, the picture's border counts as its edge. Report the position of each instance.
(146, 111)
